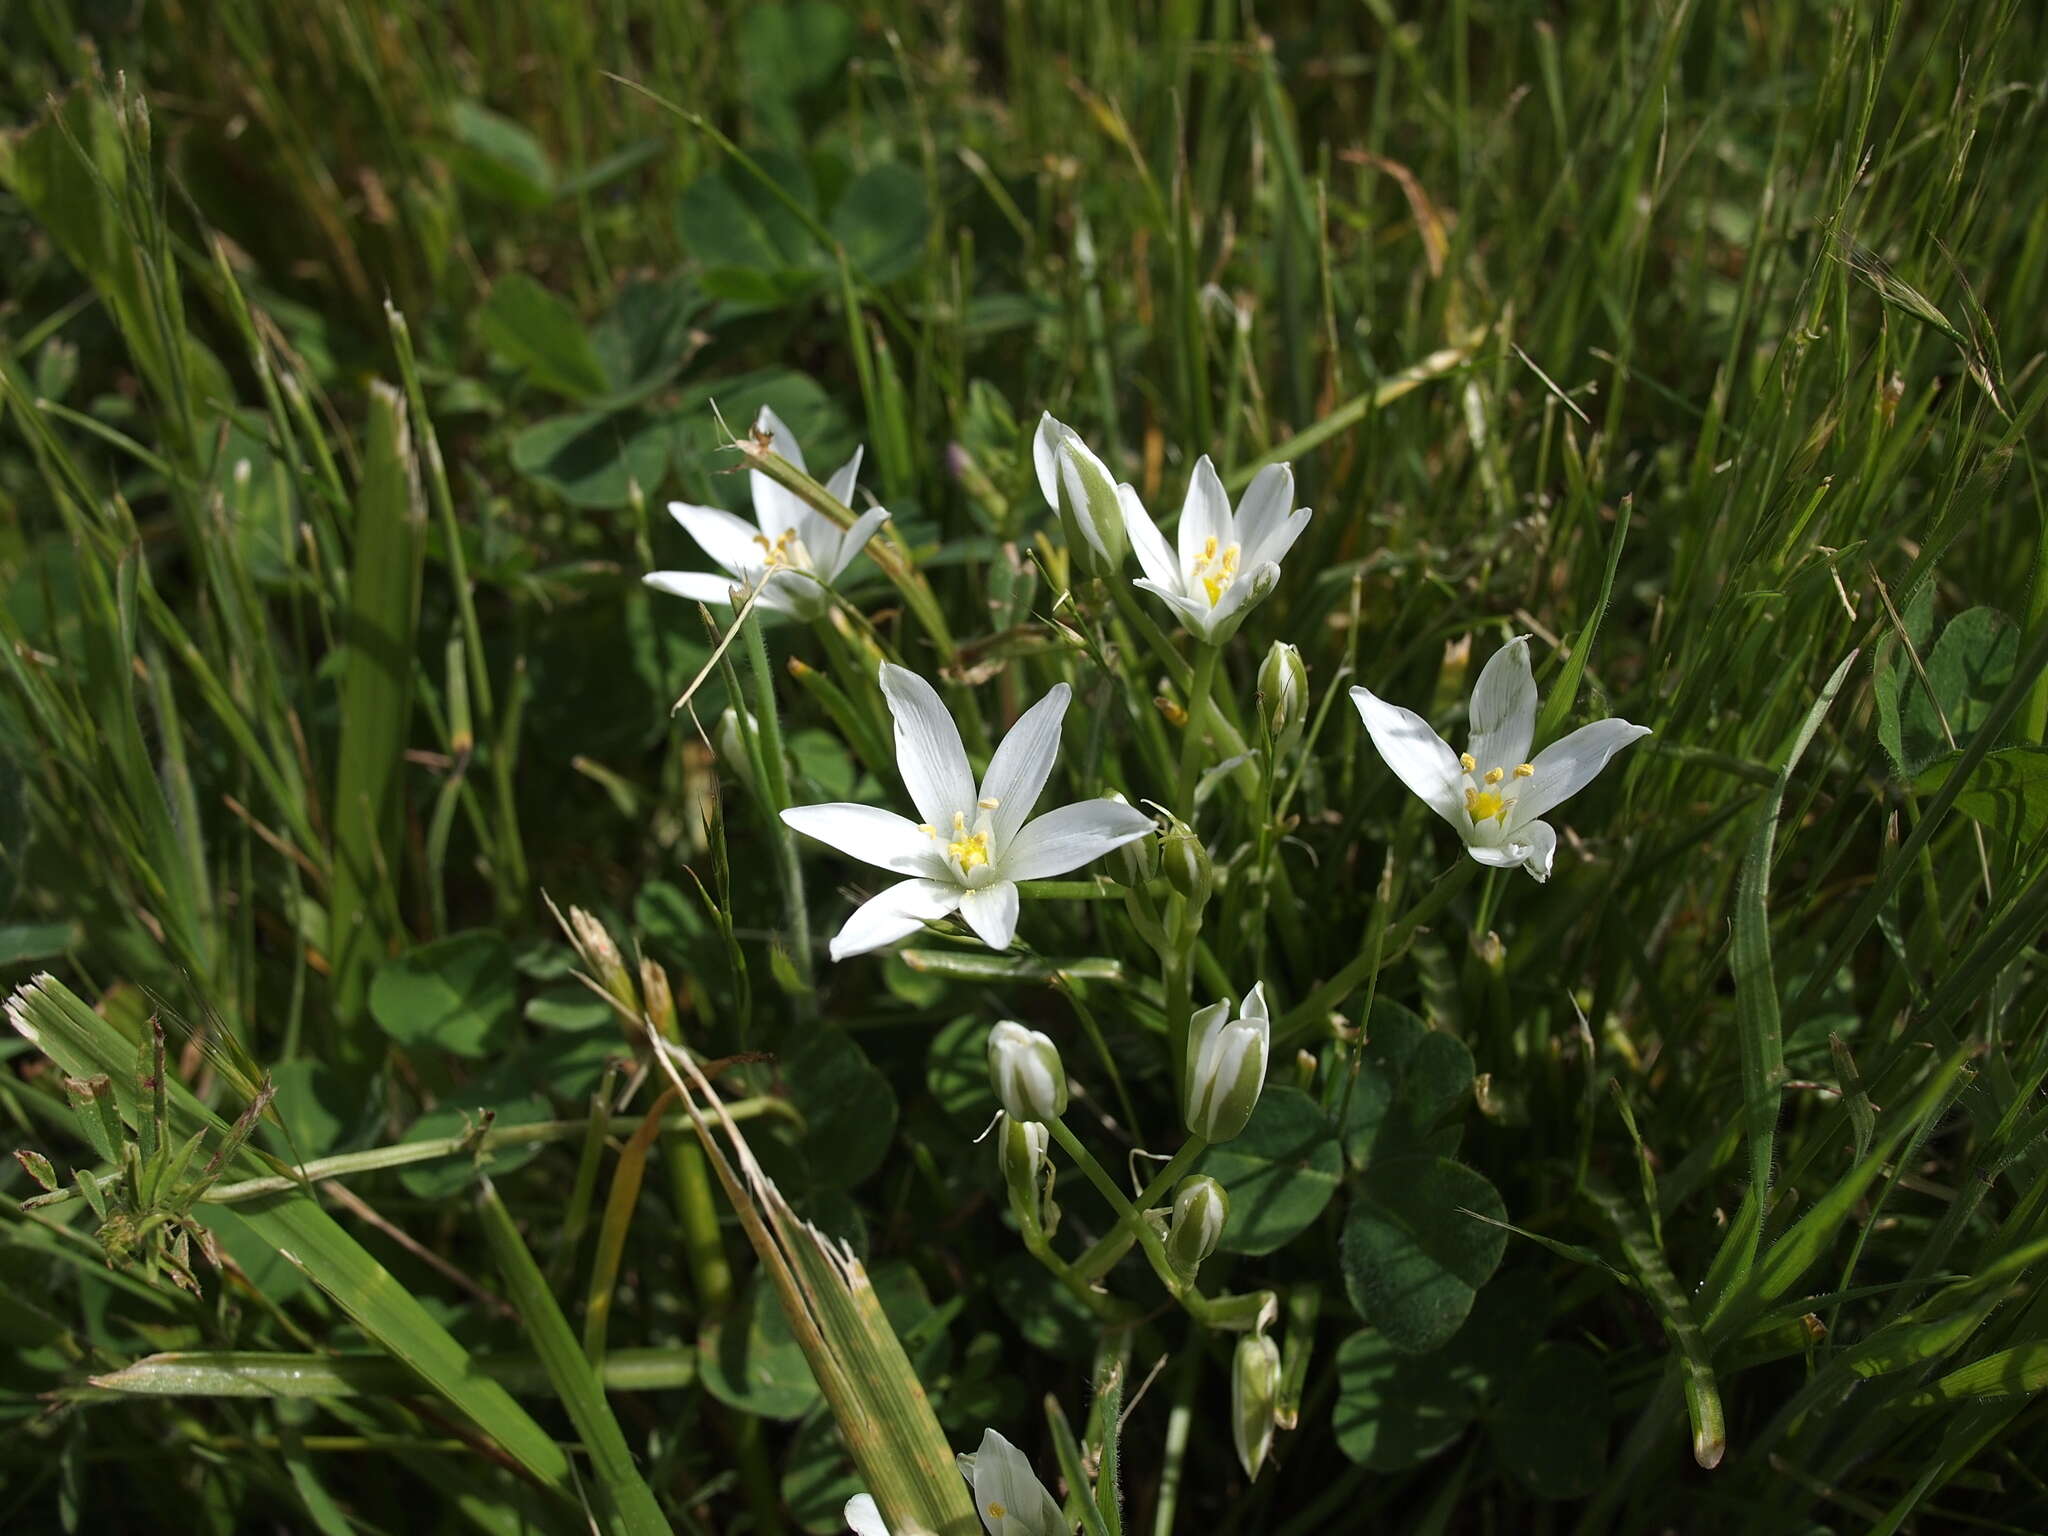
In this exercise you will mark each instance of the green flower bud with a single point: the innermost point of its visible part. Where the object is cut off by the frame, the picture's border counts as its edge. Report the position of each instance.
(1027, 1174)
(1254, 1394)
(1185, 862)
(1283, 695)
(1200, 1208)
(1226, 1066)
(1024, 1069)
(1093, 499)
(732, 748)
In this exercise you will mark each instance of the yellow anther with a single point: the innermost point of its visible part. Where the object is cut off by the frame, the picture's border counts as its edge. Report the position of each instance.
(1216, 573)
(780, 552)
(1485, 805)
(1524, 770)
(1467, 761)
(995, 1510)
(1494, 775)
(988, 802)
(968, 852)
(927, 829)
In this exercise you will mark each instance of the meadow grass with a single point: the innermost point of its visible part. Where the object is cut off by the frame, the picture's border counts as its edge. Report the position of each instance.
(349, 352)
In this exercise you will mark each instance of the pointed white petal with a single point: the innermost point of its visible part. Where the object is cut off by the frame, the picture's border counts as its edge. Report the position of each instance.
(785, 440)
(698, 586)
(895, 914)
(868, 833)
(1255, 1003)
(1009, 1496)
(1280, 540)
(1242, 593)
(1497, 855)
(1503, 715)
(1154, 553)
(1089, 482)
(1205, 1025)
(855, 539)
(1565, 767)
(1417, 754)
(1045, 444)
(928, 749)
(991, 912)
(1071, 836)
(1022, 763)
(1262, 511)
(1538, 842)
(1205, 515)
(863, 1517)
(720, 535)
(777, 510)
(845, 477)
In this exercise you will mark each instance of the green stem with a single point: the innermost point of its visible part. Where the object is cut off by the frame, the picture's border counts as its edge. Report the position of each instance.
(1302, 1020)
(1098, 889)
(775, 787)
(1191, 743)
(1096, 1262)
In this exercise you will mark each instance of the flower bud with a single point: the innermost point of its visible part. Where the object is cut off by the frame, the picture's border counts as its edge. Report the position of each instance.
(659, 997)
(1093, 498)
(1027, 1174)
(1200, 1208)
(1226, 1066)
(1024, 1069)
(1254, 1393)
(1135, 862)
(1185, 862)
(732, 748)
(595, 944)
(1283, 695)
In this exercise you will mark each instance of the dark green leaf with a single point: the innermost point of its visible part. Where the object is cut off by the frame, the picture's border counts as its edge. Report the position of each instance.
(2008, 793)
(848, 1106)
(454, 994)
(882, 221)
(496, 157)
(1394, 1411)
(1550, 1428)
(531, 328)
(593, 458)
(1412, 1258)
(1280, 1172)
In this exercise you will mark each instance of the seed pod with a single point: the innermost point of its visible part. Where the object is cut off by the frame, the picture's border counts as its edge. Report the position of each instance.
(1185, 862)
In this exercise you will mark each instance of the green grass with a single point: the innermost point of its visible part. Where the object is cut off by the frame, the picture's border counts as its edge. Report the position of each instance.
(349, 354)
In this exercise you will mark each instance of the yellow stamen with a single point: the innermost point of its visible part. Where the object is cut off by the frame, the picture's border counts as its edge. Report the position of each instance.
(1214, 573)
(1485, 805)
(988, 803)
(781, 552)
(1467, 762)
(995, 1510)
(1525, 770)
(1494, 775)
(927, 829)
(966, 852)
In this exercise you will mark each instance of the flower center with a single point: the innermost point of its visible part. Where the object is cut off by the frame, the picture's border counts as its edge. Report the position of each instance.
(968, 850)
(1488, 803)
(787, 550)
(1216, 572)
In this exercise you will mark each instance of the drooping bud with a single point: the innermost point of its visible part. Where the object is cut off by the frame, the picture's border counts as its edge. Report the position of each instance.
(1027, 1172)
(1135, 862)
(1254, 1393)
(1184, 860)
(1226, 1066)
(1283, 695)
(1024, 1069)
(1093, 498)
(1200, 1208)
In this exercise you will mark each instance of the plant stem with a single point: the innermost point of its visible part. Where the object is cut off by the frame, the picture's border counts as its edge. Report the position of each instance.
(1110, 1247)
(1191, 743)
(775, 788)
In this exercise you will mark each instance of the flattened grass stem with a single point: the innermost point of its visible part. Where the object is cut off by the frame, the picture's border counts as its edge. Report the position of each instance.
(1199, 686)
(775, 786)
(1300, 1020)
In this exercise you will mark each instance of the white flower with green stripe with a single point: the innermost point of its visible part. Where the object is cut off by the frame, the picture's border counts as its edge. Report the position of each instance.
(973, 842)
(1494, 793)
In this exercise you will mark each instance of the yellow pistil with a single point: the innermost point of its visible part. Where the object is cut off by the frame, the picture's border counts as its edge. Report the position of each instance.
(1485, 805)
(781, 551)
(1216, 573)
(968, 851)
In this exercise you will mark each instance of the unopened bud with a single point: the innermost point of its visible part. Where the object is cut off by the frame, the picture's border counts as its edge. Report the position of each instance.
(1092, 499)
(1226, 1066)
(659, 998)
(1185, 862)
(732, 748)
(1200, 1208)
(603, 958)
(1024, 1069)
(1254, 1395)
(1135, 862)
(1283, 695)
(1027, 1173)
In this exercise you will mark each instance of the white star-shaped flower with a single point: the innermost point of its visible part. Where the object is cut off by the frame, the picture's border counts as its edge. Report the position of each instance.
(1493, 793)
(793, 554)
(1226, 561)
(974, 843)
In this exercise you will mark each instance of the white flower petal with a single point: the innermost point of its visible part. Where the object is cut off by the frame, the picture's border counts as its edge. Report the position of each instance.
(1071, 836)
(1022, 763)
(863, 1517)
(1497, 855)
(845, 477)
(785, 440)
(698, 586)
(1274, 547)
(1417, 754)
(1255, 1003)
(1154, 553)
(776, 509)
(1009, 1496)
(928, 749)
(1086, 478)
(855, 539)
(896, 913)
(991, 912)
(1565, 767)
(1045, 445)
(1262, 511)
(1193, 612)
(1204, 1026)
(868, 833)
(1205, 515)
(720, 535)
(1503, 714)
(1538, 842)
